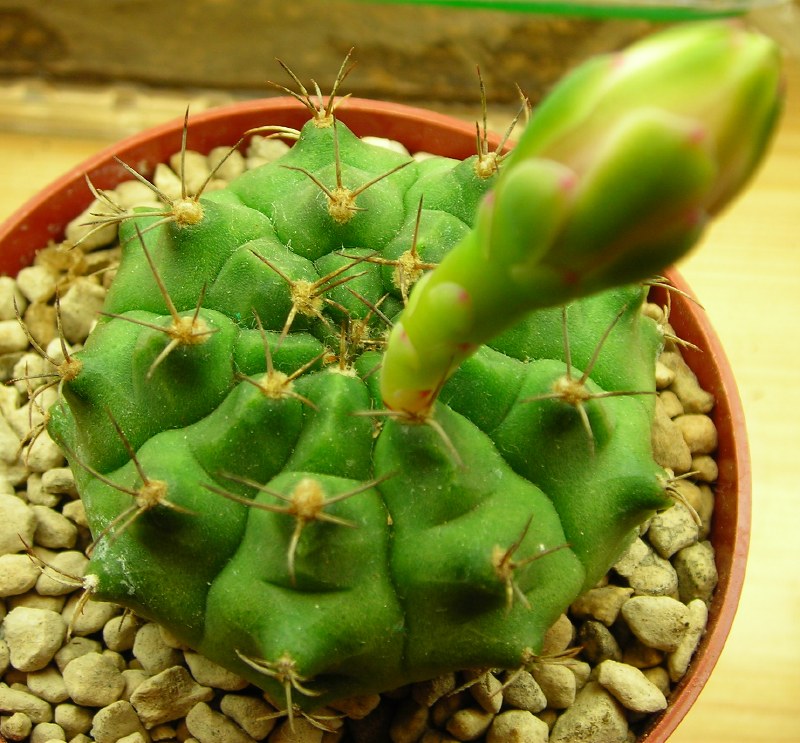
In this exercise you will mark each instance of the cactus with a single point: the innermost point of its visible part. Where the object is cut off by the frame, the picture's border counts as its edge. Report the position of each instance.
(333, 486)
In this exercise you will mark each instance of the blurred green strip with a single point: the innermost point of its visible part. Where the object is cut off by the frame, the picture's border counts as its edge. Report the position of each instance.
(658, 10)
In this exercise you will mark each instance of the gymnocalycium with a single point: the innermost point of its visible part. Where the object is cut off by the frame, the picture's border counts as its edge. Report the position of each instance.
(357, 419)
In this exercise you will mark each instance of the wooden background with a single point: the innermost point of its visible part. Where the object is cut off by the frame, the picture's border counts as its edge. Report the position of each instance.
(746, 274)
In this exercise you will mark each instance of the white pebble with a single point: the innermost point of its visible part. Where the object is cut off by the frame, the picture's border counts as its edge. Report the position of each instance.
(595, 716)
(80, 229)
(67, 569)
(630, 687)
(208, 673)
(92, 616)
(116, 721)
(33, 636)
(470, 723)
(699, 433)
(37, 283)
(252, 714)
(73, 719)
(18, 574)
(557, 683)
(47, 732)
(79, 307)
(43, 453)
(672, 530)
(168, 696)
(12, 337)
(601, 603)
(517, 726)
(119, 632)
(523, 692)
(301, 731)
(53, 530)
(9, 295)
(16, 700)
(93, 680)
(697, 572)
(152, 652)
(678, 661)
(658, 621)
(48, 684)
(209, 726)
(16, 727)
(76, 647)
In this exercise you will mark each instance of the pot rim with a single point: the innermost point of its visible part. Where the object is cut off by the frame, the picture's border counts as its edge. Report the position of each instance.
(43, 218)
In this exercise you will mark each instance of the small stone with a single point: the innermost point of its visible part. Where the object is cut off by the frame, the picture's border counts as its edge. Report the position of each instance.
(637, 654)
(152, 652)
(558, 637)
(168, 696)
(705, 468)
(45, 732)
(598, 643)
(228, 163)
(679, 660)
(659, 677)
(699, 433)
(630, 687)
(658, 621)
(12, 337)
(208, 673)
(37, 283)
(697, 572)
(517, 726)
(75, 511)
(654, 576)
(298, 731)
(252, 714)
(79, 307)
(17, 524)
(522, 692)
(42, 454)
(487, 692)
(601, 603)
(134, 678)
(409, 723)
(671, 404)
(193, 167)
(53, 530)
(18, 574)
(36, 496)
(16, 727)
(41, 322)
(470, 723)
(427, 693)
(9, 443)
(69, 566)
(33, 636)
(74, 720)
(60, 481)
(48, 684)
(76, 647)
(672, 530)
(357, 708)
(632, 558)
(16, 700)
(93, 680)
(12, 299)
(209, 726)
(116, 721)
(92, 616)
(692, 396)
(134, 738)
(595, 716)
(119, 632)
(670, 449)
(90, 238)
(557, 683)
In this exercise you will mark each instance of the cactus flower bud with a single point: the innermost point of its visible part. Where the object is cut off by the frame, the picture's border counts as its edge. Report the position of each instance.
(613, 180)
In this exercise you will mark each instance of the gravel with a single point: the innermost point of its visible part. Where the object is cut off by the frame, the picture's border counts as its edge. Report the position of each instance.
(115, 678)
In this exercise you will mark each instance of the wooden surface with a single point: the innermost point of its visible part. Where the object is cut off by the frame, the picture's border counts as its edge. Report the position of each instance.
(747, 275)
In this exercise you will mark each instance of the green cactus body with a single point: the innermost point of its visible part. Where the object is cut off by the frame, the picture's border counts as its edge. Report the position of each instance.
(256, 487)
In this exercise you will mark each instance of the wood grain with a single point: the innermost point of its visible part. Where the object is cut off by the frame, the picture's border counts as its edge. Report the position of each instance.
(747, 275)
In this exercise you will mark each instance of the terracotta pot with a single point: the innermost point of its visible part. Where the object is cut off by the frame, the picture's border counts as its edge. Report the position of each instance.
(44, 218)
